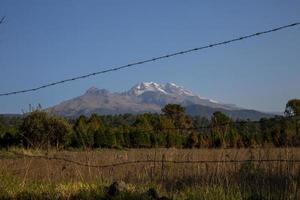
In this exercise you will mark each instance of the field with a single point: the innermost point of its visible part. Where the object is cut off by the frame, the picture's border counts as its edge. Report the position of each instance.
(263, 173)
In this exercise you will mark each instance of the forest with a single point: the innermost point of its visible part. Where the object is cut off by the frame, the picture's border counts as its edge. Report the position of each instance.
(172, 128)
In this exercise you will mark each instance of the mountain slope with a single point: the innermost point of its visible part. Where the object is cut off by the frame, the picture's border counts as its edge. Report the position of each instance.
(147, 97)
(204, 111)
(102, 102)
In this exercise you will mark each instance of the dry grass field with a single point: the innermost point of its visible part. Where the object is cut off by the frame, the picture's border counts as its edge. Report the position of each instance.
(263, 171)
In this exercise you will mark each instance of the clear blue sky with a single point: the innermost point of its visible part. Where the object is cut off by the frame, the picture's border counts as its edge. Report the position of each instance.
(48, 40)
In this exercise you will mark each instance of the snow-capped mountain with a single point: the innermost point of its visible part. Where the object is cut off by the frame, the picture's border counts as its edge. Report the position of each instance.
(169, 89)
(146, 97)
(162, 94)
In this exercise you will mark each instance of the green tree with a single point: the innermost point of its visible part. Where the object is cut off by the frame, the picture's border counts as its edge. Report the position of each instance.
(35, 130)
(82, 137)
(177, 114)
(41, 130)
(293, 107)
(192, 140)
(9, 131)
(220, 128)
(167, 131)
(105, 138)
(59, 132)
(94, 123)
(140, 137)
(246, 134)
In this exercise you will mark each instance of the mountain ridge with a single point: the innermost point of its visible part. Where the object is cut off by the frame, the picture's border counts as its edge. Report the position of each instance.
(148, 97)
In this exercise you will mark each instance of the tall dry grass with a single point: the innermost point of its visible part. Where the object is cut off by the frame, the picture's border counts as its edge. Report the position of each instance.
(270, 180)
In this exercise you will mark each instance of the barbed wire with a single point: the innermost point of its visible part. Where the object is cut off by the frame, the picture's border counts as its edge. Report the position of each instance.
(2, 19)
(17, 155)
(22, 155)
(151, 59)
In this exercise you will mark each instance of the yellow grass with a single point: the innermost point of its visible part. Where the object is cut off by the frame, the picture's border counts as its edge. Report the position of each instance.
(51, 171)
(62, 172)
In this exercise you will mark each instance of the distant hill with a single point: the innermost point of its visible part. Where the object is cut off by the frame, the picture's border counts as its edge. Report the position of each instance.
(204, 111)
(148, 97)
(11, 115)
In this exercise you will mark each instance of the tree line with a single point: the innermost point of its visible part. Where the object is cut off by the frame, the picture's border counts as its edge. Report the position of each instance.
(172, 128)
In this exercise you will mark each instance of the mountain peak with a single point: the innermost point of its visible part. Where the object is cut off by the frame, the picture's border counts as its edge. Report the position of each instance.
(146, 97)
(168, 88)
(94, 90)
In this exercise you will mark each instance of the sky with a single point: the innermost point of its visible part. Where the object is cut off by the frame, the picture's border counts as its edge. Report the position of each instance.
(48, 40)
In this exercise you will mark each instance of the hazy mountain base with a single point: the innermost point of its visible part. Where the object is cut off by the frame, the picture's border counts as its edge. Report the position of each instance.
(75, 109)
(243, 114)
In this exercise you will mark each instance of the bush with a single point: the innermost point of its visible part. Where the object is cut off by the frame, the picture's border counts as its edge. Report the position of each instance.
(41, 130)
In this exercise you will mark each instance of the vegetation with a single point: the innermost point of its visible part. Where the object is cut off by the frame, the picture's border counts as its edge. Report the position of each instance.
(44, 157)
(293, 107)
(41, 178)
(172, 128)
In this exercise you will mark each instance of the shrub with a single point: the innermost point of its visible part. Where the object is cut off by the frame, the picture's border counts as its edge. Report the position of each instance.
(43, 130)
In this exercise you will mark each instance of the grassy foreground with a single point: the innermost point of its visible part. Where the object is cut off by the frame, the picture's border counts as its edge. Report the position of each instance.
(11, 188)
(40, 178)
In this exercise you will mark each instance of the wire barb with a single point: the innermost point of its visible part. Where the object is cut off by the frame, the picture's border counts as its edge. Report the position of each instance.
(149, 60)
(2, 19)
(135, 162)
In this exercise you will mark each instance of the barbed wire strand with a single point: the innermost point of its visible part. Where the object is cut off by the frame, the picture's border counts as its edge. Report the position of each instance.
(2, 19)
(22, 155)
(18, 155)
(152, 59)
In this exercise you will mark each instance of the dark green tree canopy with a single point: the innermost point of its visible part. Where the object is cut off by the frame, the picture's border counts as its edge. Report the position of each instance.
(173, 110)
(177, 114)
(293, 107)
(172, 128)
(220, 118)
(41, 130)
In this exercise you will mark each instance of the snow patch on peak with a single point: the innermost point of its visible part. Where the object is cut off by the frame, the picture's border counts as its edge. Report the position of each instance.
(213, 101)
(168, 88)
(145, 87)
(172, 90)
(175, 89)
(172, 84)
(148, 85)
(210, 100)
